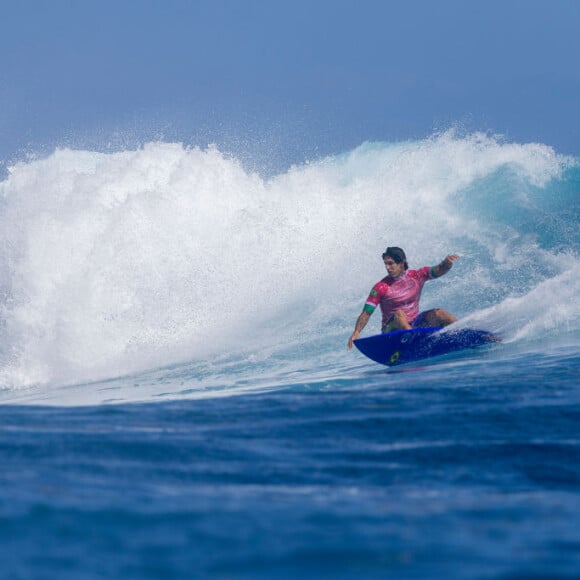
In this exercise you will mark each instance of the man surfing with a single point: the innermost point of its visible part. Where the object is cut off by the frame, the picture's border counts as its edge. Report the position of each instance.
(398, 296)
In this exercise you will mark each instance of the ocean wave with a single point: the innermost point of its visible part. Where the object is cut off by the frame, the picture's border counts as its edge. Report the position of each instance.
(116, 263)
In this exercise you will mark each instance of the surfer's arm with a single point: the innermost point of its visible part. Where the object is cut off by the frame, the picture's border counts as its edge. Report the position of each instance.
(361, 322)
(444, 266)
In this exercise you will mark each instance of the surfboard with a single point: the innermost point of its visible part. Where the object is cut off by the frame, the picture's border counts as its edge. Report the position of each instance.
(403, 346)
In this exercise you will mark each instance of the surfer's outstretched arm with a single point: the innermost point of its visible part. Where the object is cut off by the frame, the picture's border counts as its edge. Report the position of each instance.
(361, 322)
(444, 266)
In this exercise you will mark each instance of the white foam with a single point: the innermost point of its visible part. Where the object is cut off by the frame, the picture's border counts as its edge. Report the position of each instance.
(113, 263)
(552, 307)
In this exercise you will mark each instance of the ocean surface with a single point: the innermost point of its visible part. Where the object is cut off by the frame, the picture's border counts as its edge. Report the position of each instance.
(177, 399)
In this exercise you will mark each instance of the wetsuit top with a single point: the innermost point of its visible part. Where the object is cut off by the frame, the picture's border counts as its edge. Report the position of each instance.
(400, 293)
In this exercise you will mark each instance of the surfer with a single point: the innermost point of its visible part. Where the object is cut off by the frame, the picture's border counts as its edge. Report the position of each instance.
(398, 296)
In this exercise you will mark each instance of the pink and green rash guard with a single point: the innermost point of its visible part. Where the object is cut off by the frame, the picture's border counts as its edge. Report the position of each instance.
(400, 293)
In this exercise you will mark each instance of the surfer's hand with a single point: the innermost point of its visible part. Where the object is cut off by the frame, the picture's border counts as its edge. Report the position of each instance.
(448, 261)
(445, 265)
(352, 338)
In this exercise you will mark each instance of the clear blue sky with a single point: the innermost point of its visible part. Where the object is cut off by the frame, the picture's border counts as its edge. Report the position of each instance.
(292, 79)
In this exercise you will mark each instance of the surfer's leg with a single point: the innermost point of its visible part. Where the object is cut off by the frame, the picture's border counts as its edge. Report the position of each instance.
(434, 317)
(397, 322)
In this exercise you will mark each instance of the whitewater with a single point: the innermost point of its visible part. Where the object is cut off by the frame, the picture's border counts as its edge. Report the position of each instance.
(177, 396)
(119, 263)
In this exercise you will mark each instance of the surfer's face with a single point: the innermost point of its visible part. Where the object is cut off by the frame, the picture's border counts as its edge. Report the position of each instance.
(394, 270)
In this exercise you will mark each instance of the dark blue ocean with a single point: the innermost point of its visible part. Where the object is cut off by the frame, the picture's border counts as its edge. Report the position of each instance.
(177, 399)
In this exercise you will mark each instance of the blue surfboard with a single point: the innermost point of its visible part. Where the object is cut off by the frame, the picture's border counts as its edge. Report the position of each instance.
(403, 346)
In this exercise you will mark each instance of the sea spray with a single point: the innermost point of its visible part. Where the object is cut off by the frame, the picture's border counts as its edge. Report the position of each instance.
(116, 263)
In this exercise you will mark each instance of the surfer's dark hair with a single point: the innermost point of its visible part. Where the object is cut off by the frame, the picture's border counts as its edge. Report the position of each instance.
(397, 254)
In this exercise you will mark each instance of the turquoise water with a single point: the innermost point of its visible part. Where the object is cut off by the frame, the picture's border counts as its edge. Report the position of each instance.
(178, 400)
